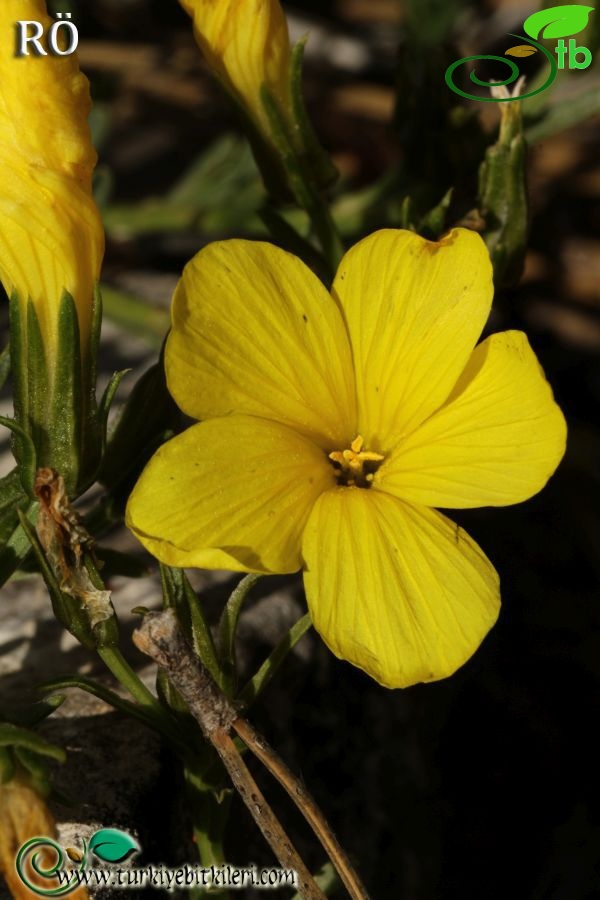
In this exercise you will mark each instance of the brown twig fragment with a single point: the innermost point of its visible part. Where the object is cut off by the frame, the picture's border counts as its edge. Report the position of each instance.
(305, 803)
(160, 637)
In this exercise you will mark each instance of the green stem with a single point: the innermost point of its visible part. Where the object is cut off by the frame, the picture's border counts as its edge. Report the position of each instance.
(324, 226)
(209, 819)
(303, 187)
(120, 668)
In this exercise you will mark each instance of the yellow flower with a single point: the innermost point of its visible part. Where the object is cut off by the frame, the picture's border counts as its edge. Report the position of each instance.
(23, 815)
(246, 44)
(333, 427)
(51, 235)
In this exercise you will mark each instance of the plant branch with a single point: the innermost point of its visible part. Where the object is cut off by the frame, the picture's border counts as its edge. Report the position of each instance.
(160, 637)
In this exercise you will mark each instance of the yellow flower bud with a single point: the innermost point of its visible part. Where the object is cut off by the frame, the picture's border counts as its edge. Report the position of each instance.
(51, 236)
(246, 44)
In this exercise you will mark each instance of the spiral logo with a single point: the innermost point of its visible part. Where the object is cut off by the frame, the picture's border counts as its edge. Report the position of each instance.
(29, 862)
(514, 74)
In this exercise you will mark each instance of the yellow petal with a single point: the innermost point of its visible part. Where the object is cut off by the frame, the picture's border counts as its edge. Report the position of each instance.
(496, 441)
(414, 311)
(254, 331)
(232, 493)
(246, 44)
(397, 590)
(51, 235)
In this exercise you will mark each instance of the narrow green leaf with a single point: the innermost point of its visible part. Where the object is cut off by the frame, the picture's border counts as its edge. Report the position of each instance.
(273, 663)
(228, 628)
(101, 692)
(180, 595)
(14, 736)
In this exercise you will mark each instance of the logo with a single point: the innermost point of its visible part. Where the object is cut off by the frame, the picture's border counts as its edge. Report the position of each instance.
(34, 860)
(49, 870)
(557, 22)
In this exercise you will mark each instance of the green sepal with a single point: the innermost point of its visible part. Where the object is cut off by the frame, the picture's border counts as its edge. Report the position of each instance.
(27, 462)
(18, 339)
(39, 389)
(503, 197)
(65, 450)
(91, 442)
(67, 609)
(4, 366)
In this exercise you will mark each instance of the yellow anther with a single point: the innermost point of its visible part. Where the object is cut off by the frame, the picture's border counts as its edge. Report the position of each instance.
(357, 444)
(352, 463)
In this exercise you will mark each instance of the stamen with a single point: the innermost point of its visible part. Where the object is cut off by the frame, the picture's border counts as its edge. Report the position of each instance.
(356, 466)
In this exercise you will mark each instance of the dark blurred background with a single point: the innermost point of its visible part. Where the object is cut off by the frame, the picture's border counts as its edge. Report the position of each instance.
(484, 786)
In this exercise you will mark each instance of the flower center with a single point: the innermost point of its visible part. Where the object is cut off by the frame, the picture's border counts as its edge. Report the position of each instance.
(355, 467)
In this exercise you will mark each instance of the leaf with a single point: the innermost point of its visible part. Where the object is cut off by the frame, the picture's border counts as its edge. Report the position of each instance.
(521, 50)
(112, 845)
(558, 22)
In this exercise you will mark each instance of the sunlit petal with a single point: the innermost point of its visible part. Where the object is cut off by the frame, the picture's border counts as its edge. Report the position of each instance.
(255, 332)
(397, 590)
(414, 310)
(231, 493)
(496, 441)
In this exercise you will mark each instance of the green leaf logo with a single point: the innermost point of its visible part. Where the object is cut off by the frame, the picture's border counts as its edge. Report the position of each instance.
(558, 22)
(112, 845)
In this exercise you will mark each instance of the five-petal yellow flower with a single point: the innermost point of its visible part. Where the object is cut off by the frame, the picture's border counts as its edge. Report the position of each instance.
(333, 425)
(51, 236)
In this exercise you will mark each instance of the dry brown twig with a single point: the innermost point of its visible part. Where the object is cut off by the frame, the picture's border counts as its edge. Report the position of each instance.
(160, 637)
